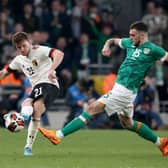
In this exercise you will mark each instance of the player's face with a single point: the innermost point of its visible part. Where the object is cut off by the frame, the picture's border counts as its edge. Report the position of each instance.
(23, 47)
(135, 36)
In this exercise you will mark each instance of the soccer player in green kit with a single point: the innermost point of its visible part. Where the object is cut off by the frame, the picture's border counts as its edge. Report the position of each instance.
(141, 54)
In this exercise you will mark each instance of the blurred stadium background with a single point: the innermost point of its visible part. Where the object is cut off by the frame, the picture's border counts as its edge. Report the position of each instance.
(80, 28)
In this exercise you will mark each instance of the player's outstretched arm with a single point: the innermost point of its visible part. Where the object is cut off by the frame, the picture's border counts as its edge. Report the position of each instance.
(3, 73)
(106, 48)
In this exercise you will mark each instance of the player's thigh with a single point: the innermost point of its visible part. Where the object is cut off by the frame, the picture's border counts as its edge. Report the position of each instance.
(111, 103)
(46, 91)
(27, 102)
(95, 108)
(127, 110)
(39, 108)
(116, 102)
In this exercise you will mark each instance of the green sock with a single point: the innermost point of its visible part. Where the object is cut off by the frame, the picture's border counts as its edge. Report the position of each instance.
(76, 124)
(144, 131)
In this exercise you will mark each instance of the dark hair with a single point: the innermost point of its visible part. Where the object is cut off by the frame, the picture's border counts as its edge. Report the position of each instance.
(140, 26)
(84, 83)
(19, 37)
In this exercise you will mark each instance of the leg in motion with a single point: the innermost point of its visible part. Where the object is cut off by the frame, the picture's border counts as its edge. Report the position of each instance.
(145, 132)
(74, 125)
(27, 109)
(34, 124)
(31, 136)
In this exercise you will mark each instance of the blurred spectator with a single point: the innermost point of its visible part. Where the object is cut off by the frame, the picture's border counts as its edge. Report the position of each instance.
(64, 71)
(45, 38)
(106, 31)
(84, 55)
(6, 27)
(157, 23)
(36, 37)
(41, 38)
(76, 98)
(143, 106)
(76, 22)
(18, 27)
(79, 24)
(79, 95)
(56, 21)
(28, 19)
(62, 44)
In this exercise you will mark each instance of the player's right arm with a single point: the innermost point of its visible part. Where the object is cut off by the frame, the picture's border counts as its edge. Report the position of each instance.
(13, 66)
(106, 48)
(4, 72)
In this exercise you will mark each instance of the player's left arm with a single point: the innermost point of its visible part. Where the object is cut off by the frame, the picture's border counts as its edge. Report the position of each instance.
(57, 57)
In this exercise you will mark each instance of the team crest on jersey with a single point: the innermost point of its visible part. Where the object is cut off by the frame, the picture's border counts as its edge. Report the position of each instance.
(146, 50)
(34, 62)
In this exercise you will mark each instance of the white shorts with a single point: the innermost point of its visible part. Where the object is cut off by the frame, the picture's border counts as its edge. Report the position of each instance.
(119, 100)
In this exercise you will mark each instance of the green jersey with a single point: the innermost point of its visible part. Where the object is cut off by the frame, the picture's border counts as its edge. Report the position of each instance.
(138, 61)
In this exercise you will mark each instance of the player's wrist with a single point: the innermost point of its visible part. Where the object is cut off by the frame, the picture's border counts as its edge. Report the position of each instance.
(111, 41)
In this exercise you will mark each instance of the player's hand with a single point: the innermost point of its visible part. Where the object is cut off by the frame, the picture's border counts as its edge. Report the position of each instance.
(106, 50)
(2, 73)
(52, 76)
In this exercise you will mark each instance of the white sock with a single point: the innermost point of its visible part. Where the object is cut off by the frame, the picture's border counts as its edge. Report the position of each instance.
(59, 134)
(158, 142)
(27, 110)
(32, 132)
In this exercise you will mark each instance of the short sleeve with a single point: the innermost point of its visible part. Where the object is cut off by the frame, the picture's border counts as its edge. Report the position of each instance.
(125, 43)
(45, 50)
(158, 52)
(14, 65)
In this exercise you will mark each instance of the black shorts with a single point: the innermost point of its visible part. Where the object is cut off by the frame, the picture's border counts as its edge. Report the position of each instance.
(48, 91)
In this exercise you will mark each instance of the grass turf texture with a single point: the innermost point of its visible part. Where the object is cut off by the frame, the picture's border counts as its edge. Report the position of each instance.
(84, 149)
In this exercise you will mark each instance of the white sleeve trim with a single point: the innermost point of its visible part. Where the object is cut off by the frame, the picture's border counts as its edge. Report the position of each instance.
(120, 44)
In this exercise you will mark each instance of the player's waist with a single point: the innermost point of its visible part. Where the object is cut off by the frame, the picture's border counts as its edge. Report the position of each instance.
(44, 80)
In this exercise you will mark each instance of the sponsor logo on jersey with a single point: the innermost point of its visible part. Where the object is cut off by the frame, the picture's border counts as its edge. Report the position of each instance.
(34, 62)
(146, 50)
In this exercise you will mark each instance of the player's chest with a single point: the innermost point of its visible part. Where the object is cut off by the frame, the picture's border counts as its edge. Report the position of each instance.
(30, 65)
(141, 54)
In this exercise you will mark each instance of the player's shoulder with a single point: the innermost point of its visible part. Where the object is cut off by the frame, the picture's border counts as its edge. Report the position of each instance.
(39, 50)
(18, 57)
(154, 46)
(126, 42)
(156, 49)
(39, 47)
(126, 39)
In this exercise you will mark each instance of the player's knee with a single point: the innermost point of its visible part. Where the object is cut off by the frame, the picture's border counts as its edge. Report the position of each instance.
(94, 108)
(27, 102)
(26, 110)
(39, 106)
(126, 122)
(126, 125)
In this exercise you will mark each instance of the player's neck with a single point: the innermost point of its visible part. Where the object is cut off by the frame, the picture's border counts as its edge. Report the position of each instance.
(143, 41)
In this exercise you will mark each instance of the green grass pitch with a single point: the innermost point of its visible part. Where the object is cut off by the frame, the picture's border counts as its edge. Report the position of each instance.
(83, 149)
